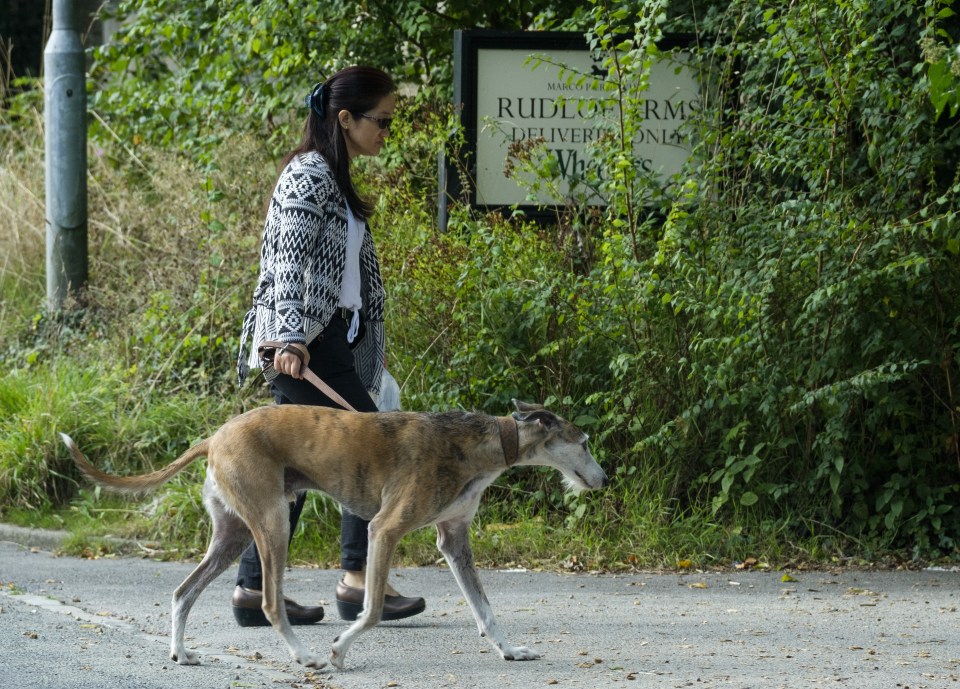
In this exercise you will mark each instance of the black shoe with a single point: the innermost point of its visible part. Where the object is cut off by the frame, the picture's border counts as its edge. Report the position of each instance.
(350, 604)
(248, 612)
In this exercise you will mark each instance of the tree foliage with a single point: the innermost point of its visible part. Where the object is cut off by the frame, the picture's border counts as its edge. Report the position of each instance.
(193, 73)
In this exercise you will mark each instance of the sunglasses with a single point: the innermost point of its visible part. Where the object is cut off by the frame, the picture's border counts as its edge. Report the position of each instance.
(382, 122)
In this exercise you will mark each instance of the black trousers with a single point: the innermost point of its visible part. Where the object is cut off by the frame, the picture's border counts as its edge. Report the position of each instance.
(332, 360)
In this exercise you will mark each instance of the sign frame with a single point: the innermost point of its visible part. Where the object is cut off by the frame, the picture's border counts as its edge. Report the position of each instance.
(467, 46)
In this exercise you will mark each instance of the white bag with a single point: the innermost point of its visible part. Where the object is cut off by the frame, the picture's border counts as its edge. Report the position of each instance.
(389, 397)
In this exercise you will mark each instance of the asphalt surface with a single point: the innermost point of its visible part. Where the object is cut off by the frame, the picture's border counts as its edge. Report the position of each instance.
(73, 623)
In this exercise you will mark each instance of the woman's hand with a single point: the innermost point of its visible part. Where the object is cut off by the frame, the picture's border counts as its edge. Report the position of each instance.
(287, 361)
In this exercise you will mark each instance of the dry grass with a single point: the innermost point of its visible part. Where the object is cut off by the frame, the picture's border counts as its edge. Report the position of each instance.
(22, 232)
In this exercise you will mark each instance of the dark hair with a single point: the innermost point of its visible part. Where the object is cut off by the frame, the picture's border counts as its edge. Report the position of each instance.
(356, 90)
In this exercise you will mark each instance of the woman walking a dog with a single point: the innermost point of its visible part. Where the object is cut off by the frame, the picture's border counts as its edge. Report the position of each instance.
(320, 295)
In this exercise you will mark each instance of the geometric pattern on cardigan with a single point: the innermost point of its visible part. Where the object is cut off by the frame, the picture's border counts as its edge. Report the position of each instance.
(302, 257)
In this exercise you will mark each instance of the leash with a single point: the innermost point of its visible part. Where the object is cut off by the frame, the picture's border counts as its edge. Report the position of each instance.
(509, 439)
(268, 350)
(506, 425)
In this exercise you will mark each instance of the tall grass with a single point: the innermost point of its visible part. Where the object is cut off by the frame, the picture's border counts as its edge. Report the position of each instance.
(130, 368)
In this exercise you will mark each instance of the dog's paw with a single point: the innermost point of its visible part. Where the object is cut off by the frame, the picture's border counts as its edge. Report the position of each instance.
(310, 660)
(519, 653)
(185, 657)
(337, 658)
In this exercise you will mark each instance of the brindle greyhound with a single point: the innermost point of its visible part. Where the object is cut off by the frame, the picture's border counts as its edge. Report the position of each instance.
(399, 470)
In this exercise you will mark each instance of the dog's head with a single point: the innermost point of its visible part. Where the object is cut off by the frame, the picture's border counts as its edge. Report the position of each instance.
(548, 440)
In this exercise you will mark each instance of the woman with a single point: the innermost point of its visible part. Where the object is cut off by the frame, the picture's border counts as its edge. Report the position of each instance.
(320, 292)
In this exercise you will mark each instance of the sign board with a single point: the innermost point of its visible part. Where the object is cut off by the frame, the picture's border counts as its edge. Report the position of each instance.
(516, 88)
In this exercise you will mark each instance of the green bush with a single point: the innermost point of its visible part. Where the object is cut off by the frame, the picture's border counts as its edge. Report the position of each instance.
(799, 305)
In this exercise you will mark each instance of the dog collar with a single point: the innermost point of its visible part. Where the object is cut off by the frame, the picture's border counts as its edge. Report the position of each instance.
(509, 439)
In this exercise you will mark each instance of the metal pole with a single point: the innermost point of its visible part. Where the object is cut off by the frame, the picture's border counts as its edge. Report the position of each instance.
(65, 120)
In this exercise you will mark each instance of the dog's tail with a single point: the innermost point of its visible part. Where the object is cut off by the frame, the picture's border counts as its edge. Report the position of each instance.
(134, 484)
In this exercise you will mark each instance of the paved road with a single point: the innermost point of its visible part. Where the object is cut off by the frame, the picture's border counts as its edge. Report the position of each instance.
(69, 623)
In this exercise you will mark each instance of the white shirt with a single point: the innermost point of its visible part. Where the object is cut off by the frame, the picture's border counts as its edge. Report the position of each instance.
(350, 288)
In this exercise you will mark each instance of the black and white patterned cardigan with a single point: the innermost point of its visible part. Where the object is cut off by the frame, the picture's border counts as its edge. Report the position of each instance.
(302, 258)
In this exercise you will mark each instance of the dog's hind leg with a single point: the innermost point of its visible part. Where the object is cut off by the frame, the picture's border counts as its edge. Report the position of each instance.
(229, 538)
(271, 531)
(382, 542)
(453, 540)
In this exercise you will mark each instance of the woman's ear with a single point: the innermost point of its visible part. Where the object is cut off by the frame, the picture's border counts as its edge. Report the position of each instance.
(345, 118)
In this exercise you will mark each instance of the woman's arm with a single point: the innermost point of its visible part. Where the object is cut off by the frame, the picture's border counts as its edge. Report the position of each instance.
(302, 195)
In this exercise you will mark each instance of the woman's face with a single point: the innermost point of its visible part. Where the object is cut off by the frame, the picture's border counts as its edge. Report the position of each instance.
(363, 134)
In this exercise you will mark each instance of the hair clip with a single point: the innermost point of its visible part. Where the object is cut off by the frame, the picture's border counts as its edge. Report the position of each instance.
(314, 99)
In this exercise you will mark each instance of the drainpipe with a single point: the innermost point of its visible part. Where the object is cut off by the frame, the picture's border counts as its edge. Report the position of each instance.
(65, 121)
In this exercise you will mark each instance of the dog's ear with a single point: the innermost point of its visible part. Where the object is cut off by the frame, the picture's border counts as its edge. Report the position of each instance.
(535, 413)
(541, 416)
(523, 407)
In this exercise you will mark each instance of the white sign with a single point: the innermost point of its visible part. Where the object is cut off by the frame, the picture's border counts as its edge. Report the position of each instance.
(519, 99)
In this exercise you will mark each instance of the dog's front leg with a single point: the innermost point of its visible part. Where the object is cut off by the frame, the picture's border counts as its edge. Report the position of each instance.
(453, 540)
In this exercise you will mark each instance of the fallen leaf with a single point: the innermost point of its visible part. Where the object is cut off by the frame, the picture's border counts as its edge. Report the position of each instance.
(699, 585)
(684, 564)
(862, 592)
(787, 578)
